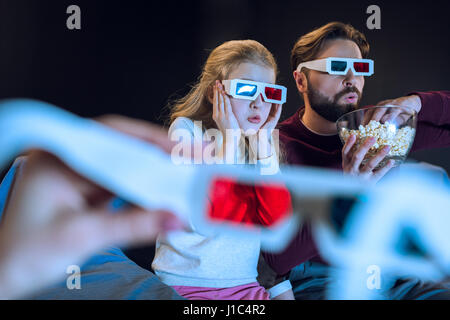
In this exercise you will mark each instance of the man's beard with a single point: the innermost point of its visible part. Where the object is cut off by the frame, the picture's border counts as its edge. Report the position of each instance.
(329, 108)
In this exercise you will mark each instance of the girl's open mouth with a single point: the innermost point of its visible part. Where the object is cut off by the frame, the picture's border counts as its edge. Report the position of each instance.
(255, 119)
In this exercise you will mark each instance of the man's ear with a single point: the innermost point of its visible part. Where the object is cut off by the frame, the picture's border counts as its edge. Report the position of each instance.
(301, 81)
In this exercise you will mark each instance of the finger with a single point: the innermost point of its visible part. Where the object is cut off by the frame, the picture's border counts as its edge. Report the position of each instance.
(132, 226)
(359, 154)
(278, 109)
(215, 103)
(378, 114)
(378, 174)
(229, 110)
(276, 113)
(221, 102)
(64, 189)
(375, 160)
(385, 102)
(347, 147)
(391, 115)
(367, 116)
(227, 105)
(273, 117)
(140, 129)
(273, 111)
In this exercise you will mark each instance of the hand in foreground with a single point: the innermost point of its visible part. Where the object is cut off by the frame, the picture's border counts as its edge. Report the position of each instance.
(56, 218)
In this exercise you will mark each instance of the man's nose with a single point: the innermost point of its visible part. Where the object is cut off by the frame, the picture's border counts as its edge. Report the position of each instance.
(350, 79)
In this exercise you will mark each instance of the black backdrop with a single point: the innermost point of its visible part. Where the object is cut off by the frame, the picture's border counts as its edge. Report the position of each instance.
(131, 57)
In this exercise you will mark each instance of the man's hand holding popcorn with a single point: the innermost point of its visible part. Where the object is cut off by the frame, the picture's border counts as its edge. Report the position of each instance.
(354, 152)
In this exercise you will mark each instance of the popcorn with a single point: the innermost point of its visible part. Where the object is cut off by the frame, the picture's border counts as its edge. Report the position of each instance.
(385, 134)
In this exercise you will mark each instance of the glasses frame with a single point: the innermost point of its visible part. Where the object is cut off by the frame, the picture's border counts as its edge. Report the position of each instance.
(231, 85)
(304, 182)
(324, 65)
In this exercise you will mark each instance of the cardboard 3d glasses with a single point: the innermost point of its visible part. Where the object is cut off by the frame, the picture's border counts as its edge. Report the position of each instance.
(208, 198)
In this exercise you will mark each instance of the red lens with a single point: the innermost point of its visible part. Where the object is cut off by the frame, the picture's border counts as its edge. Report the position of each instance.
(251, 205)
(361, 66)
(273, 93)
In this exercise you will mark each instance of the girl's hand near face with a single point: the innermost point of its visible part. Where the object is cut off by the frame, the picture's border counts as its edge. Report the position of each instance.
(265, 150)
(273, 118)
(222, 112)
(225, 119)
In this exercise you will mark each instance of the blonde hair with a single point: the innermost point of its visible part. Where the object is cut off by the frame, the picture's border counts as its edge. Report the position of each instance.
(220, 63)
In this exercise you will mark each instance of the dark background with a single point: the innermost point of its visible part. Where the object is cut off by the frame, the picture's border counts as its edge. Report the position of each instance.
(131, 57)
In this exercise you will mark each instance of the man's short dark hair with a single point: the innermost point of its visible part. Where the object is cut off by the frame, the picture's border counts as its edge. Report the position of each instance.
(309, 45)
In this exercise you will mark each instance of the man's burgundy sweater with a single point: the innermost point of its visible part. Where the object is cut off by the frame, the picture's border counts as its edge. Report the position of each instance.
(304, 147)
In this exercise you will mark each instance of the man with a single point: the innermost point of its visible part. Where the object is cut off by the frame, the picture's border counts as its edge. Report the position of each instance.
(310, 138)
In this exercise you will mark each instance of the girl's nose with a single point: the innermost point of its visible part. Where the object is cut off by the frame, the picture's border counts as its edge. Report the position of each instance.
(257, 102)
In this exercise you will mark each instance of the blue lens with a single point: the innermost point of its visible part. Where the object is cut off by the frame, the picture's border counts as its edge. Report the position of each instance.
(338, 65)
(247, 90)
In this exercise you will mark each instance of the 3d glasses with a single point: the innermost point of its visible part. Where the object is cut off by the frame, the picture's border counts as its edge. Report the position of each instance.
(237, 200)
(250, 90)
(211, 199)
(340, 66)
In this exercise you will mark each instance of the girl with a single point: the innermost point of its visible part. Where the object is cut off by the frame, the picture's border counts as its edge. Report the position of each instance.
(225, 266)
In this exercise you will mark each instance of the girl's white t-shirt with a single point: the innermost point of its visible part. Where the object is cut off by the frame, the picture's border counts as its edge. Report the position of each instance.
(187, 258)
